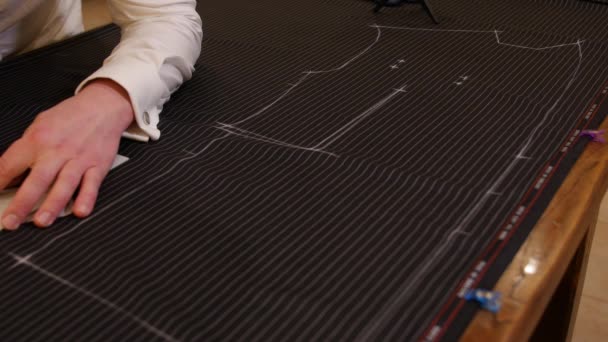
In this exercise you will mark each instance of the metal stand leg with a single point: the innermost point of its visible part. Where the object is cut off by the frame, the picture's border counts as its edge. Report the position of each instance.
(393, 3)
(427, 7)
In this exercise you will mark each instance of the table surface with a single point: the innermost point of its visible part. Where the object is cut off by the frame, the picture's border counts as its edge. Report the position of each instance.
(535, 272)
(548, 249)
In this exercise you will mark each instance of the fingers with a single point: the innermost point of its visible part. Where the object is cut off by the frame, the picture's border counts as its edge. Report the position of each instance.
(17, 181)
(14, 162)
(61, 193)
(88, 191)
(67, 181)
(35, 186)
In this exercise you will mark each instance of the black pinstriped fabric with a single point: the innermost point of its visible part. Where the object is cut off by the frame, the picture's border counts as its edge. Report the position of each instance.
(327, 174)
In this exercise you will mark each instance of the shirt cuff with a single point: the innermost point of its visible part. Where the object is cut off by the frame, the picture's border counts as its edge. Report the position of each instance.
(143, 86)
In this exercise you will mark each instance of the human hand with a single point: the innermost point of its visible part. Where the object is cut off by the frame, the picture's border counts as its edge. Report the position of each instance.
(71, 144)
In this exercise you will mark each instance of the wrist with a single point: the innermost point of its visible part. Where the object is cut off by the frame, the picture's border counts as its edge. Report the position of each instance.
(113, 98)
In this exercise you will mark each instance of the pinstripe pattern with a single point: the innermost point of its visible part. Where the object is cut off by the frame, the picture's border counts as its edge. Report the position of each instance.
(303, 187)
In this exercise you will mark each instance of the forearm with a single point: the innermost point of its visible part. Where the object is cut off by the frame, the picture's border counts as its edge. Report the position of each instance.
(160, 44)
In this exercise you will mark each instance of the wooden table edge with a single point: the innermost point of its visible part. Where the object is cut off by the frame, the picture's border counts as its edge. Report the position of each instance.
(550, 248)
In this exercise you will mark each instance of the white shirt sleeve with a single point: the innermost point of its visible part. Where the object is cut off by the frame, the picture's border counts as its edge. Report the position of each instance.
(160, 42)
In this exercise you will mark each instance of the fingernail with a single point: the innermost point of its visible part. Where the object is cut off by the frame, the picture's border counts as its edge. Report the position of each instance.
(83, 209)
(11, 222)
(45, 218)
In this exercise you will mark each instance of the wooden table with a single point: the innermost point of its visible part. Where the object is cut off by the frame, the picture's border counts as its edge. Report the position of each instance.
(542, 286)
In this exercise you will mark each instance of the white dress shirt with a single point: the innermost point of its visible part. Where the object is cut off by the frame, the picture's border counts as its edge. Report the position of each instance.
(160, 42)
